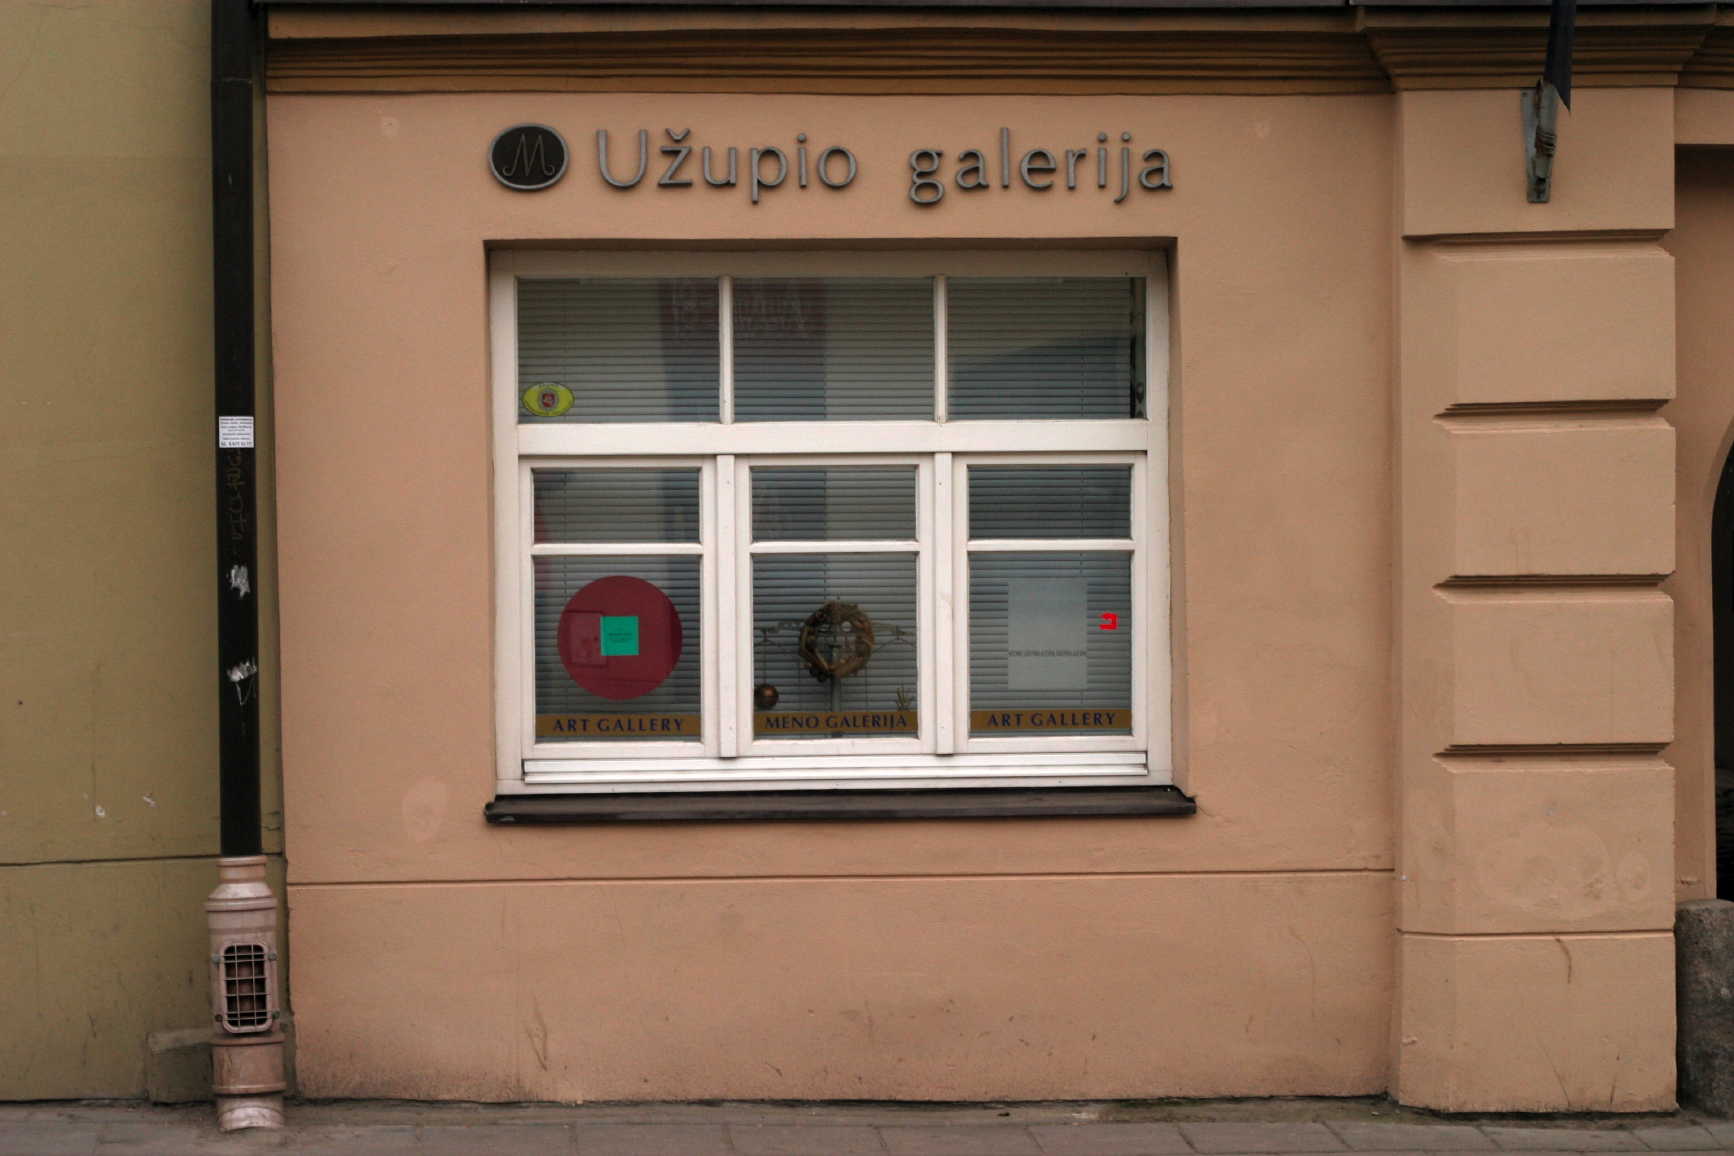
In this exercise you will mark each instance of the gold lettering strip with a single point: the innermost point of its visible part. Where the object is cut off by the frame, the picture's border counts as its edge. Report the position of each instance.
(1038, 720)
(609, 726)
(771, 724)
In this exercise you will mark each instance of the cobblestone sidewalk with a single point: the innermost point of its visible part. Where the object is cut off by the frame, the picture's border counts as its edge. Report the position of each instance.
(1224, 1128)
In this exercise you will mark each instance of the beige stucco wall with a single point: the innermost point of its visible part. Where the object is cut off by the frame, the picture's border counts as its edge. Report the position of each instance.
(1703, 246)
(1245, 950)
(108, 791)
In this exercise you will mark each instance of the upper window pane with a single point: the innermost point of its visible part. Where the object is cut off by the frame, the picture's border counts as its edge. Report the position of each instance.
(1050, 501)
(1045, 347)
(592, 505)
(616, 350)
(833, 349)
(832, 503)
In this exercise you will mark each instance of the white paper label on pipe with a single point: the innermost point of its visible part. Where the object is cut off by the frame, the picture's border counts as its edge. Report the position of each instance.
(234, 433)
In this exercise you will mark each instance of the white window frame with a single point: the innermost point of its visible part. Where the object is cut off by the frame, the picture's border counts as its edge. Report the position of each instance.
(727, 756)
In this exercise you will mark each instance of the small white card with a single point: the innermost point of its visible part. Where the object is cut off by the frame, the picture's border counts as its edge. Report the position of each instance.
(1048, 634)
(234, 433)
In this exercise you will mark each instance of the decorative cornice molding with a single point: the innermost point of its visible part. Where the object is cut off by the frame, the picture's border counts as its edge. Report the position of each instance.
(924, 60)
(1713, 66)
(1361, 50)
(1506, 50)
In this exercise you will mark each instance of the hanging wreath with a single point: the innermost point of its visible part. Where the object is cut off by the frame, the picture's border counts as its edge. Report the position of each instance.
(836, 640)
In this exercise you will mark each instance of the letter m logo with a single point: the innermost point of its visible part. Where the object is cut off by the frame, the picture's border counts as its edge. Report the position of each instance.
(528, 157)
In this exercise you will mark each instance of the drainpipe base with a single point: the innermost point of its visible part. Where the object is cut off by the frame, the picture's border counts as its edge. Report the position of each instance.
(247, 1044)
(237, 1112)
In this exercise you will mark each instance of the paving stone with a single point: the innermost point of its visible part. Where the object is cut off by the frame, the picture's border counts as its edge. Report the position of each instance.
(1366, 1136)
(47, 1138)
(805, 1140)
(1722, 1130)
(347, 1139)
(1677, 1138)
(495, 1140)
(652, 1140)
(959, 1140)
(1562, 1139)
(1430, 1152)
(1224, 1137)
(184, 1138)
(1109, 1139)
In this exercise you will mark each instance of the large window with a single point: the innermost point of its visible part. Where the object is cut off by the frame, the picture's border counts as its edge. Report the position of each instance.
(831, 520)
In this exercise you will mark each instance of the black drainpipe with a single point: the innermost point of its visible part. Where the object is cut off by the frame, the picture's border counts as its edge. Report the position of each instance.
(247, 1043)
(233, 38)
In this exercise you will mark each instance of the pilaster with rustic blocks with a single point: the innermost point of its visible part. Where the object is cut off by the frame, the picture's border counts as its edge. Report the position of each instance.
(1534, 658)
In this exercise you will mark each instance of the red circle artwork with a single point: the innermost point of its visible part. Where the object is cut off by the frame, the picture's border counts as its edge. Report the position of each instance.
(619, 637)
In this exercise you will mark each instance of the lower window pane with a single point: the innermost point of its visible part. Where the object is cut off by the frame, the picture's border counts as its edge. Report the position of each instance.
(1050, 643)
(834, 646)
(617, 649)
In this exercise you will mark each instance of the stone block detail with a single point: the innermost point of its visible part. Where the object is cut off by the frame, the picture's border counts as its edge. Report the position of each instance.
(1455, 174)
(1560, 667)
(1563, 323)
(1578, 1023)
(1539, 845)
(1563, 498)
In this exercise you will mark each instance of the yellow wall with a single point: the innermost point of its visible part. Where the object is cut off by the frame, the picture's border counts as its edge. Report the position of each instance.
(108, 787)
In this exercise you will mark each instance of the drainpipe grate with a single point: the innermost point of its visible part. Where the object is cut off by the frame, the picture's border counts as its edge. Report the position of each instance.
(246, 981)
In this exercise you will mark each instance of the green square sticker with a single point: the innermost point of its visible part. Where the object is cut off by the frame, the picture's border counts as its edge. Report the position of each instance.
(619, 635)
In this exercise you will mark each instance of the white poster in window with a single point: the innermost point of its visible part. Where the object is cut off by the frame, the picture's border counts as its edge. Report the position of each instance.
(1046, 633)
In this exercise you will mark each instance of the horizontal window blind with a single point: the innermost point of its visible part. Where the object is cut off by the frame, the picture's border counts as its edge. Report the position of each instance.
(833, 349)
(616, 505)
(630, 350)
(1045, 347)
(831, 502)
(1050, 501)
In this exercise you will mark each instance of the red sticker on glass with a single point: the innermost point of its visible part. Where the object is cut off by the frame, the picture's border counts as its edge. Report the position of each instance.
(619, 637)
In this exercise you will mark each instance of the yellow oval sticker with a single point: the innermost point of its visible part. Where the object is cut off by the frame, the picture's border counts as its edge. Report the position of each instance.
(547, 400)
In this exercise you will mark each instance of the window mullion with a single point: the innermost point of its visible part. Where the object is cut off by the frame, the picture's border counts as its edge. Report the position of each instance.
(945, 543)
(941, 375)
(726, 349)
(959, 627)
(1143, 610)
(526, 574)
(726, 618)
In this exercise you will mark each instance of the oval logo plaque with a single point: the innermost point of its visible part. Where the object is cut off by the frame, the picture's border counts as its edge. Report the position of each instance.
(528, 157)
(548, 400)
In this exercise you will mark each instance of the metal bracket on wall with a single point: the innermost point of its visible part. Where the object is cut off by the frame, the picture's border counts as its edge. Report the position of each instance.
(1540, 139)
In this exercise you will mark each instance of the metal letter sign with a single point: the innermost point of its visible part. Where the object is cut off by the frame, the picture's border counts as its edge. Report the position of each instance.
(528, 157)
